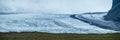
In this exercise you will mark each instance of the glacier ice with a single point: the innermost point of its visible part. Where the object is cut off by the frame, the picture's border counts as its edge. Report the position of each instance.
(51, 23)
(52, 16)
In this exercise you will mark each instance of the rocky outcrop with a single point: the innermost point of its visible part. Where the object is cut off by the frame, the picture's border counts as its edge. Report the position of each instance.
(114, 13)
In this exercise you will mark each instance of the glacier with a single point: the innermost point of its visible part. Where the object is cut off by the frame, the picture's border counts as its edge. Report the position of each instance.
(51, 23)
(51, 16)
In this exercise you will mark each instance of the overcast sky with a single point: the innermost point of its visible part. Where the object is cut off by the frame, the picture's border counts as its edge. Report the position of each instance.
(55, 6)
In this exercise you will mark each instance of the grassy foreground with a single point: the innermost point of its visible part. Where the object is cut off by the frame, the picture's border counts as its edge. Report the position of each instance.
(48, 36)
